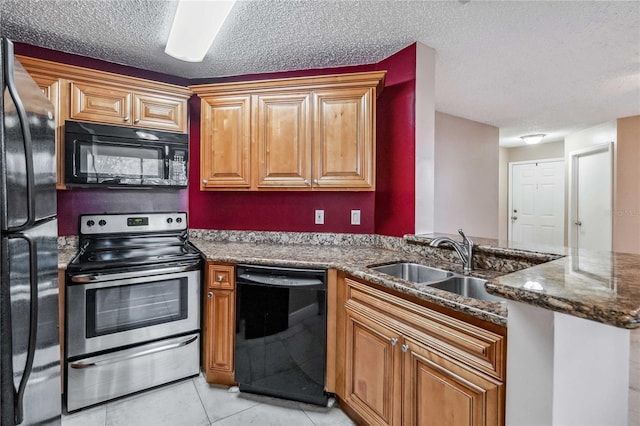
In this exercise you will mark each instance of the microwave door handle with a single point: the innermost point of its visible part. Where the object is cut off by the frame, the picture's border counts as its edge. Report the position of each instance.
(9, 66)
(166, 163)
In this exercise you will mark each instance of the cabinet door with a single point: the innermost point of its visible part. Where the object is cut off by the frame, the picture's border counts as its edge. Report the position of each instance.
(219, 324)
(344, 139)
(100, 103)
(225, 143)
(163, 112)
(219, 340)
(284, 140)
(372, 370)
(439, 392)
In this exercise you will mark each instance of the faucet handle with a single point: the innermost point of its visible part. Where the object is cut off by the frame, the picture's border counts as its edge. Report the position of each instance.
(464, 237)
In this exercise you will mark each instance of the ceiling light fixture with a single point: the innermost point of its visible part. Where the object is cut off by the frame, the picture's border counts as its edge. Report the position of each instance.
(532, 139)
(195, 25)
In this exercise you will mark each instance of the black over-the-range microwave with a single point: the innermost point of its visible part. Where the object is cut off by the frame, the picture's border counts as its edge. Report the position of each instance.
(121, 157)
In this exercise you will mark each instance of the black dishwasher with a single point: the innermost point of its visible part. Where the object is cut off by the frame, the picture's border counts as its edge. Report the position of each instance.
(281, 329)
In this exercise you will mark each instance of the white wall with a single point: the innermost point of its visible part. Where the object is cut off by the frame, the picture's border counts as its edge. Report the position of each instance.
(425, 142)
(466, 176)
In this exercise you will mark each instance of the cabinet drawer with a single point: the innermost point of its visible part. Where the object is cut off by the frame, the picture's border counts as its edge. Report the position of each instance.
(221, 277)
(466, 343)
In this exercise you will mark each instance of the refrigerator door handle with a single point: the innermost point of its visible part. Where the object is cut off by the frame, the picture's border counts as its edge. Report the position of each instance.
(33, 325)
(9, 65)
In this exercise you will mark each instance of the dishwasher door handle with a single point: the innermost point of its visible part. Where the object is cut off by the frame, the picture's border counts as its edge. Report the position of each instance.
(279, 280)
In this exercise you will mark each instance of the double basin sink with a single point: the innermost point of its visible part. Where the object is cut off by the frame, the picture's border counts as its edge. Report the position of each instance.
(437, 278)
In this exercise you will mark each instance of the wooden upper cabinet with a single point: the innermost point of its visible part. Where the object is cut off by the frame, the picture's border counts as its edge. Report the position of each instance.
(50, 87)
(84, 94)
(344, 136)
(284, 139)
(100, 103)
(309, 133)
(225, 142)
(160, 111)
(115, 105)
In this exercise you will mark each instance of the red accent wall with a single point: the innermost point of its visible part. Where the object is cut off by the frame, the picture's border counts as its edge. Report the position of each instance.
(388, 211)
(395, 138)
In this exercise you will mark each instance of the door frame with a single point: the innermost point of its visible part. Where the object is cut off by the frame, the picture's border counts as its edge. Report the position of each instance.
(574, 156)
(510, 193)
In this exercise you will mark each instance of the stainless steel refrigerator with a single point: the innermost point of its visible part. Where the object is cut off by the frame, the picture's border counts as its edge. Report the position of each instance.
(29, 344)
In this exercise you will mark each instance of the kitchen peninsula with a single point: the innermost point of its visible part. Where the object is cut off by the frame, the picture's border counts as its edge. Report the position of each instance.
(578, 293)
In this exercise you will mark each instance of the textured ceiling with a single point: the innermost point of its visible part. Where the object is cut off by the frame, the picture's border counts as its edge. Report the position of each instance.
(551, 67)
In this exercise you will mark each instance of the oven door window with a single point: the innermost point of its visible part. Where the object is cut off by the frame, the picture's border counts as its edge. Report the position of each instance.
(99, 162)
(127, 307)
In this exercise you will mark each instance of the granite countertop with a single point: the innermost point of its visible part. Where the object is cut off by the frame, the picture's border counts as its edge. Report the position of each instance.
(355, 260)
(600, 286)
(596, 285)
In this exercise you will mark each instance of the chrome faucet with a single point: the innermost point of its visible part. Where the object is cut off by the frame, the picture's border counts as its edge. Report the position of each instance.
(464, 249)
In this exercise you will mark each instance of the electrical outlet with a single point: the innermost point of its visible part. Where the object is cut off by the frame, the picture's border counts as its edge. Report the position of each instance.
(319, 217)
(355, 217)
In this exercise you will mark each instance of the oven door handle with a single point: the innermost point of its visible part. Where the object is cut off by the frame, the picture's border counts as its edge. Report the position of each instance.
(94, 278)
(106, 359)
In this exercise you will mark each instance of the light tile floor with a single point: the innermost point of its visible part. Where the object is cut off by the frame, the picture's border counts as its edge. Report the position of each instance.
(194, 402)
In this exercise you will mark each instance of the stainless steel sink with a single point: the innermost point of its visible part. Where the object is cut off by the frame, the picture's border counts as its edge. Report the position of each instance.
(414, 272)
(467, 287)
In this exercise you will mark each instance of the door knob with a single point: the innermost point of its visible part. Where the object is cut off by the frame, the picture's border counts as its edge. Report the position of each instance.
(204, 181)
(220, 278)
(393, 341)
(210, 294)
(405, 347)
(126, 118)
(514, 217)
(578, 223)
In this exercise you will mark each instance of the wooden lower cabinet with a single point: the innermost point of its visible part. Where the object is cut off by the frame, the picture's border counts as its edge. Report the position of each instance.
(373, 370)
(219, 324)
(439, 392)
(402, 365)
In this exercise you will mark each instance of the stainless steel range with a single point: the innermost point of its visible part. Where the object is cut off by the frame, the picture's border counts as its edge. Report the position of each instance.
(132, 306)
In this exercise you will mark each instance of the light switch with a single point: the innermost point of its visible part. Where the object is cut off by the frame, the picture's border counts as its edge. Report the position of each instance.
(355, 217)
(319, 217)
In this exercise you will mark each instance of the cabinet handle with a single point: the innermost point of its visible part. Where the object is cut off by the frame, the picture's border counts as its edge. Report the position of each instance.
(306, 182)
(204, 181)
(578, 223)
(404, 347)
(210, 294)
(393, 341)
(126, 118)
(220, 278)
(137, 120)
(315, 181)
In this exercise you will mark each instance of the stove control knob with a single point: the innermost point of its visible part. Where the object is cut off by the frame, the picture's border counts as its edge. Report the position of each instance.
(169, 220)
(102, 222)
(179, 219)
(90, 223)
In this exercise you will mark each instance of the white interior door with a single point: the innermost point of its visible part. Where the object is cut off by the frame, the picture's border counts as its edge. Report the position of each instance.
(536, 204)
(591, 188)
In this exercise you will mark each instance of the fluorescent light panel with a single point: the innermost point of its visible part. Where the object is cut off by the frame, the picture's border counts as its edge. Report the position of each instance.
(195, 26)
